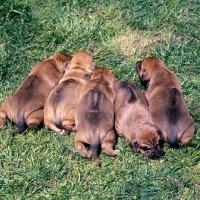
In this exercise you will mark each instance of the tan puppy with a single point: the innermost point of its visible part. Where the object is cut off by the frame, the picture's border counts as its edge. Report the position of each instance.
(133, 120)
(59, 110)
(166, 103)
(95, 116)
(25, 106)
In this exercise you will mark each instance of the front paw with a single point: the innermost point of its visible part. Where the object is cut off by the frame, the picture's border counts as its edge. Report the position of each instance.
(61, 132)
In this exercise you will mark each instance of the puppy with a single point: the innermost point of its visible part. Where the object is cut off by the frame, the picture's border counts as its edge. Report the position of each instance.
(95, 116)
(133, 120)
(25, 106)
(59, 109)
(166, 104)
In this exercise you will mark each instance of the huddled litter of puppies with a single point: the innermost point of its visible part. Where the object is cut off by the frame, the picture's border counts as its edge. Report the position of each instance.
(71, 94)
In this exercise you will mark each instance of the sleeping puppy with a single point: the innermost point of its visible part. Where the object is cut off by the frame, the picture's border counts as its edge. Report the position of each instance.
(95, 116)
(166, 104)
(133, 120)
(25, 106)
(59, 109)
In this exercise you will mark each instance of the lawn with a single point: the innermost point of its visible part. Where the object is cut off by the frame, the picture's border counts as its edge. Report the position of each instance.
(44, 165)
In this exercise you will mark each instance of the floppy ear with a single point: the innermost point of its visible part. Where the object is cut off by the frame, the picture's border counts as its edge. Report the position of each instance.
(134, 146)
(138, 66)
(93, 65)
(160, 134)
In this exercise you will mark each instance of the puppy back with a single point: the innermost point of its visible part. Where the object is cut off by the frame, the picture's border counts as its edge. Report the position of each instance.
(48, 72)
(61, 92)
(171, 114)
(130, 93)
(94, 113)
(95, 95)
(34, 87)
(173, 110)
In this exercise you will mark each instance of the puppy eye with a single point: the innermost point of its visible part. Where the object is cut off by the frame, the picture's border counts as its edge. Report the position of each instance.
(145, 148)
(144, 70)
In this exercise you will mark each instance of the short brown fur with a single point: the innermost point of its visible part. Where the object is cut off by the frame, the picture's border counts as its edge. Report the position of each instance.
(166, 104)
(59, 110)
(25, 106)
(95, 116)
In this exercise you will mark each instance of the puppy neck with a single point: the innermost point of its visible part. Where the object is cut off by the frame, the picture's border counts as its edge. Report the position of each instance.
(77, 74)
(161, 74)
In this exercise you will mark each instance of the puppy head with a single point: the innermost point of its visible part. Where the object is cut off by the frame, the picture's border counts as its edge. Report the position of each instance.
(82, 59)
(146, 67)
(62, 61)
(104, 74)
(148, 142)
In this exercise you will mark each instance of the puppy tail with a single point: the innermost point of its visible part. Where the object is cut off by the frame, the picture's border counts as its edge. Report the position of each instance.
(172, 140)
(20, 123)
(95, 146)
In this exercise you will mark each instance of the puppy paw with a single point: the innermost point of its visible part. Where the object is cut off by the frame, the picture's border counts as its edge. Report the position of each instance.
(61, 131)
(89, 155)
(33, 126)
(116, 152)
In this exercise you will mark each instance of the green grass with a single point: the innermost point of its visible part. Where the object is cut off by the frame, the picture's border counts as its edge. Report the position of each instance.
(43, 165)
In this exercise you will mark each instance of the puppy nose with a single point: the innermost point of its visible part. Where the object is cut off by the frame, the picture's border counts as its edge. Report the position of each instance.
(156, 152)
(159, 152)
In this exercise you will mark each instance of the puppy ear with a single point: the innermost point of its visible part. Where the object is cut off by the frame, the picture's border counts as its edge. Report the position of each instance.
(138, 66)
(160, 134)
(115, 79)
(93, 65)
(134, 146)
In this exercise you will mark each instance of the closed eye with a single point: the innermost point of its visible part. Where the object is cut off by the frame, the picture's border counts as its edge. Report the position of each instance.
(145, 148)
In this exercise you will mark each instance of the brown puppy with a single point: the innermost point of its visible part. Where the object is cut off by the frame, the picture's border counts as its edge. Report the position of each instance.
(25, 106)
(133, 120)
(60, 106)
(166, 104)
(95, 116)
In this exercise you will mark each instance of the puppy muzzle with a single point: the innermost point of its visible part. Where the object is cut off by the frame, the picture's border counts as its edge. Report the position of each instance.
(154, 152)
(144, 81)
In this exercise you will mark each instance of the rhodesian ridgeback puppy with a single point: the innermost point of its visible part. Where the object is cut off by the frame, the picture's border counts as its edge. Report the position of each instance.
(59, 110)
(134, 122)
(95, 116)
(25, 106)
(166, 103)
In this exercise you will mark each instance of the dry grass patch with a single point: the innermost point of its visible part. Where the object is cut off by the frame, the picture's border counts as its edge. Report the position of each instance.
(133, 42)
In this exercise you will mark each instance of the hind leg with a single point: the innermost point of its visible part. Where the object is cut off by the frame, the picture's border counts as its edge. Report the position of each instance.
(188, 135)
(69, 125)
(50, 125)
(108, 143)
(79, 141)
(35, 119)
